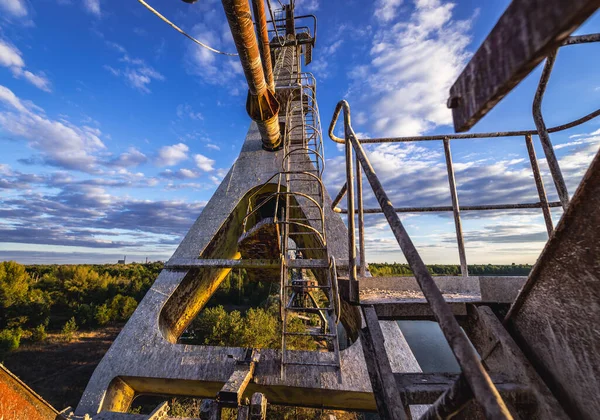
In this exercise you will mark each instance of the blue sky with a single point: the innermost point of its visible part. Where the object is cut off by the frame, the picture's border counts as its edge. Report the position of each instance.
(115, 130)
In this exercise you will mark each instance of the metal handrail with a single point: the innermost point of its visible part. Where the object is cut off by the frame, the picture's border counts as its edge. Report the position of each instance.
(478, 379)
(541, 131)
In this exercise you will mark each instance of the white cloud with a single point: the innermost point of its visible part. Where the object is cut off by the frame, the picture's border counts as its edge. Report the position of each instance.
(185, 110)
(386, 10)
(61, 143)
(38, 80)
(172, 155)
(11, 57)
(212, 146)
(413, 65)
(15, 8)
(136, 72)
(132, 158)
(92, 6)
(208, 66)
(204, 163)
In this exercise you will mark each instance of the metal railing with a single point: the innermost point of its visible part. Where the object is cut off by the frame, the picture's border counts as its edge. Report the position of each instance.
(473, 374)
(455, 208)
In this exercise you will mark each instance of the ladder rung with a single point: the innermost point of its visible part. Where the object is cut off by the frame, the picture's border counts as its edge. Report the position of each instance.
(313, 364)
(311, 310)
(308, 287)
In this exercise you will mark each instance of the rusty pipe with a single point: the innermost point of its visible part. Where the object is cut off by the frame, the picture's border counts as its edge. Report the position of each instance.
(258, 6)
(261, 105)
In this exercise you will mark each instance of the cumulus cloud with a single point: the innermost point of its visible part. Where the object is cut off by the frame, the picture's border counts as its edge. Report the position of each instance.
(204, 163)
(14, 8)
(11, 57)
(130, 159)
(89, 216)
(412, 66)
(61, 143)
(172, 155)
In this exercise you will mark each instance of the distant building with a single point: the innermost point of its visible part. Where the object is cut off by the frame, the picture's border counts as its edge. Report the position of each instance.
(122, 261)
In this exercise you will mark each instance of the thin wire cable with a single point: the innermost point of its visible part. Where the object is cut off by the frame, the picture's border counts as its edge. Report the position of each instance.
(275, 23)
(178, 29)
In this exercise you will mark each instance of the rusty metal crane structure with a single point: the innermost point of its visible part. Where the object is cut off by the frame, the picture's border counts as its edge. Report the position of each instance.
(527, 347)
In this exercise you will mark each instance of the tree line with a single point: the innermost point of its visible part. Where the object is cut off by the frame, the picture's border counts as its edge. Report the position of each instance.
(397, 269)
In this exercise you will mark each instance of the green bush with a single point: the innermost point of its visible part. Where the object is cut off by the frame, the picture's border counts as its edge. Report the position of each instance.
(39, 333)
(69, 329)
(102, 315)
(121, 307)
(10, 340)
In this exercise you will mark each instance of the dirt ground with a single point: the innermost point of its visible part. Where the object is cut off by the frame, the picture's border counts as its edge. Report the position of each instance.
(57, 370)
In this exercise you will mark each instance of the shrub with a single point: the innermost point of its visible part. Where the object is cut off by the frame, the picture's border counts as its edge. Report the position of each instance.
(10, 340)
(121, 307)
(102, 315)
(69, 329)
(39, 333)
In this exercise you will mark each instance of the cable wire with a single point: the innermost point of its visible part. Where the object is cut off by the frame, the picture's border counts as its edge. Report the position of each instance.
(181, 31)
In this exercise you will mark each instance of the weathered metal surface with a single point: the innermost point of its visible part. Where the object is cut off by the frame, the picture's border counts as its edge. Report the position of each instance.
(261, 105)
(464, 270)
(539, 184)
(501, 355)
(232, 392)
(258, 407)
(353, 285)
(258, 6)
(526, 33)
(477, 377)
(554, 320)
(389, 402)
(160, 412)
(451, 402)
(210, 410)
(19, 402)
(361, 222)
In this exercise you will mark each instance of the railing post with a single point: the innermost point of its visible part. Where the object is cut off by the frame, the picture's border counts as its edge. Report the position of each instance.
(456, 210)
(559, 182)
(361, 220)
(539, 183)
(353, 285)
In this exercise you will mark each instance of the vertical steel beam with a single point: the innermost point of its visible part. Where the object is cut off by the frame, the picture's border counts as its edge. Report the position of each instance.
(539, 183)
(464, 270)
(361, 220)
(557, 176)
(389, 402)
(353, 286)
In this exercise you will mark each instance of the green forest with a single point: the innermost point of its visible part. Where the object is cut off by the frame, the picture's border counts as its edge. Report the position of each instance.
(36, 299)
(41, 298)
(66, 300)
